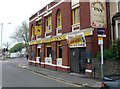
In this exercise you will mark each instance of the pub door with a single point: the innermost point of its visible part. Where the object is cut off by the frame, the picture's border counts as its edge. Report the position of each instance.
(78, 60)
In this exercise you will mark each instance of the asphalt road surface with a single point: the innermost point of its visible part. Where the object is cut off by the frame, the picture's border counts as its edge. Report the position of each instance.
(14, 76)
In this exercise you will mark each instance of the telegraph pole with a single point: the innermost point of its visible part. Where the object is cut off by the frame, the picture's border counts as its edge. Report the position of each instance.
(1, 35)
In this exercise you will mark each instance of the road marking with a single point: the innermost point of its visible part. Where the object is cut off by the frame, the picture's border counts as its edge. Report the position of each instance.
(4, 61)
(23, 66)
(55, 79)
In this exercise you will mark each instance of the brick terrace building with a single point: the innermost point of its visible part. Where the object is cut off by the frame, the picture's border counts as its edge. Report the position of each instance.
(62, 33)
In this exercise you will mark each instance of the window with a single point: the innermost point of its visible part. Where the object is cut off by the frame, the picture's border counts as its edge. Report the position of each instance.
(38, 27)
(119, 5)
(59, 19)
(48, 23)
(49, 50)
(119, 30)
(76, 15)
(59, 54)
(33, 31)
(38, 52)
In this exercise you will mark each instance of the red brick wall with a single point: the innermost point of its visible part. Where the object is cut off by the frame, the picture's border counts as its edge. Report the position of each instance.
(43, 52)
(65, 9)
(107, 30)
(65, 54)
(84, 15)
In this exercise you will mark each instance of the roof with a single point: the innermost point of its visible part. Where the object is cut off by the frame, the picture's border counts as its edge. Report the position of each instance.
(116, 15)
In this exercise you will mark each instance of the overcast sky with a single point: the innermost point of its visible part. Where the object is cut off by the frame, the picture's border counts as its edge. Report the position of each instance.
(16, 11)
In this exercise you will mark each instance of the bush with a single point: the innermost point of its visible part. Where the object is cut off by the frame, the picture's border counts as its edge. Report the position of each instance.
(115, 48)
(113, 52)
(107, 54)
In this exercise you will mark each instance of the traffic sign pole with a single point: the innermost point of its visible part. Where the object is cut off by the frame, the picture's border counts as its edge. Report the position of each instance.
(101, 48)
(101, 35)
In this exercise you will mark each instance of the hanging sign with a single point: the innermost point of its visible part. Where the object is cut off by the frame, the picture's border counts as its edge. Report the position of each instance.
(98, 13)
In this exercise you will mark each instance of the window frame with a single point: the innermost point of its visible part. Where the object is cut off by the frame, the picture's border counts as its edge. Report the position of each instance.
(59, 44)
(48, 23)
(118, 30)
(33, 31)
(38, 52)
(39, 23)
(48, 45)
(118, 5)
(48, 53)
(76, 15)
(59, 19)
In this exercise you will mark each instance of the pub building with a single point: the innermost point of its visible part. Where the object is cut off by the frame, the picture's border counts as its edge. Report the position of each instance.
(63, 35)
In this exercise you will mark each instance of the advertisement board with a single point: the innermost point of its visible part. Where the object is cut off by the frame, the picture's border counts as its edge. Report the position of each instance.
(98, 13)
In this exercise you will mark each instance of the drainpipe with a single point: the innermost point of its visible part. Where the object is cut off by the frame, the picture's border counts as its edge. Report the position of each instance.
(109, 22)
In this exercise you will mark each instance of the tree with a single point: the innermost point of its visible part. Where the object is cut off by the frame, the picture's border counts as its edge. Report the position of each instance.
(22, 34)
(17, 47)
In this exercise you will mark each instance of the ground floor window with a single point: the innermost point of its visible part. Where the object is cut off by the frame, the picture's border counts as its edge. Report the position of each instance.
(59, 50)
(48, 51)
(38, 52)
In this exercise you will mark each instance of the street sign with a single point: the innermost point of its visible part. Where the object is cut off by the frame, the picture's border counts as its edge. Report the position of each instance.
(100, 31)
(100, 40)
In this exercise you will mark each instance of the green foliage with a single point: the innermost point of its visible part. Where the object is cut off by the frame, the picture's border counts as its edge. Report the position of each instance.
(107, 54)
(17, 47)
(112, 53)
(116, 49)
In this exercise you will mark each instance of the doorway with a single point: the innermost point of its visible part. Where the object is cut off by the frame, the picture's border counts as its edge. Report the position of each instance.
(78, 60)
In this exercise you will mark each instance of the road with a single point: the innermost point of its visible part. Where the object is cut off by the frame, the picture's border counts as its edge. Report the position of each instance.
(14, 76)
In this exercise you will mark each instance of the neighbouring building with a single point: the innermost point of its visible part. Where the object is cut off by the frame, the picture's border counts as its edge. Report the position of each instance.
(64, 35)
(115, 19)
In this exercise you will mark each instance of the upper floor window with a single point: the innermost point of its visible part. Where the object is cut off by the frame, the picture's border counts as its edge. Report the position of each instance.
(119, 30)
(33, 31)
(119, 5)
(38, 27)
(48, 23)
(59, 19)
(76, 16)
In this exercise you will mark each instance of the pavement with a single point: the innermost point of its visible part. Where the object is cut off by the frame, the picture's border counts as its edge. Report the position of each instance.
(73, 78)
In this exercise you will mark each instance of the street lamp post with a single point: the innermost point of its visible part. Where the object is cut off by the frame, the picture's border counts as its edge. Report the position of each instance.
(1, 35)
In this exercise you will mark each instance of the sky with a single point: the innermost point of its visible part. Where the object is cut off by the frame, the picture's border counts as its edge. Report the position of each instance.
(16, 11)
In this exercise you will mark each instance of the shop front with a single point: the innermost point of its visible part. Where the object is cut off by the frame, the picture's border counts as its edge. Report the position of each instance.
(65, 52)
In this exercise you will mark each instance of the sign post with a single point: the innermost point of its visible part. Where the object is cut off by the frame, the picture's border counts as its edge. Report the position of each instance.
(100, 42)
(101, 47)
(98, 20)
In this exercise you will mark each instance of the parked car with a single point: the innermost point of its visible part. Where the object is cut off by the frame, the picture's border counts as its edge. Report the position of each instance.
(111, 82)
